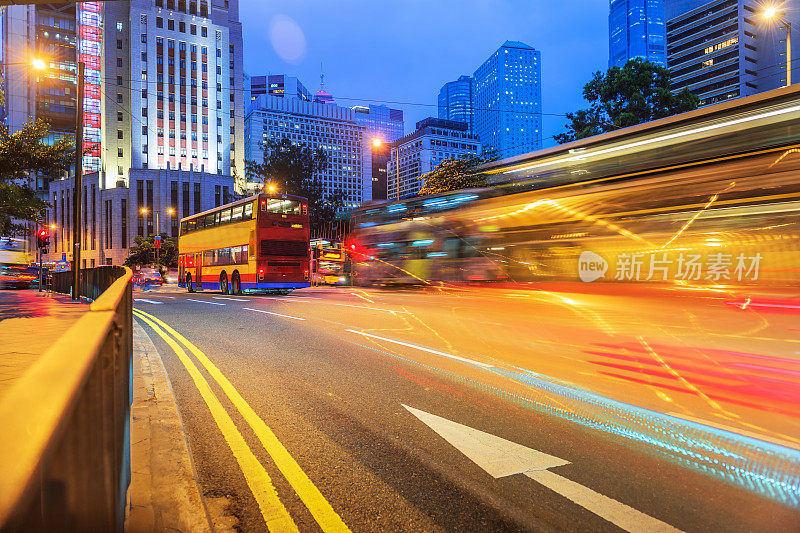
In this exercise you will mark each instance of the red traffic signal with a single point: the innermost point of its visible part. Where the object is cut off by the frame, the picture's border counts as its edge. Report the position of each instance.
(43, 238)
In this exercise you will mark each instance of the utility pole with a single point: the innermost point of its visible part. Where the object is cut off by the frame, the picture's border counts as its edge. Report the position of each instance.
(76, 194)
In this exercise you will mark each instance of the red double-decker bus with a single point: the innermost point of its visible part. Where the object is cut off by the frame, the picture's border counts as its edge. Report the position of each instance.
(260, 243)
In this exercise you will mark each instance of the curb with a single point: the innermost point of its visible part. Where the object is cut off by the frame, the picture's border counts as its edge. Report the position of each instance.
(164, 493)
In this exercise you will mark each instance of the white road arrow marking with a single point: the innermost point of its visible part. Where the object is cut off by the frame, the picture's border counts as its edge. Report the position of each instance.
(500, 457)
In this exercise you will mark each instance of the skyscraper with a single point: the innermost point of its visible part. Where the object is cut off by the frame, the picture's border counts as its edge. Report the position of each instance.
(508, 100)
(50, 32)
(723, 49)
(172, 87)
(636, 29)
(384, 126)
(456, 101)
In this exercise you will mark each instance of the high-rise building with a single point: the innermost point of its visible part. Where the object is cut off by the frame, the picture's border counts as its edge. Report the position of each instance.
(327, 126)
(172, 88)
(384, 126)
(636, 29)
(508, 100)
(456, 100)
(435, 140)
(278, 85)
(724, 49)
(48, 32)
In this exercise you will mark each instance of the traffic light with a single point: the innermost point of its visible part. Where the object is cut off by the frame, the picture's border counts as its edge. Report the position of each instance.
(43, 238)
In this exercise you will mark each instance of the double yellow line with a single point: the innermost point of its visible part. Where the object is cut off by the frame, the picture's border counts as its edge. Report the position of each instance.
(272, 509)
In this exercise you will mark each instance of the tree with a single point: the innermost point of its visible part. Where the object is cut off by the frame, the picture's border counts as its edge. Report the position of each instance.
(622, 97)
(455, 174)
(21, 154)
(295, 168)
(143, 251)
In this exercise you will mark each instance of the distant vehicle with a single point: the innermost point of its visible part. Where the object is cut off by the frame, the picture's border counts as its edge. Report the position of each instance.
(260, 243)
(327, 262)
(147, 278)
(14, 260)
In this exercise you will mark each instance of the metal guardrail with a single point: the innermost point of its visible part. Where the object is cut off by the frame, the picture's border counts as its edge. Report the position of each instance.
(93, 281)
(65, 437)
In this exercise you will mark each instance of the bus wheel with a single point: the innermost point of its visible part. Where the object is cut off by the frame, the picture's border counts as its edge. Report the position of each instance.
(189, 283)
(236, 284)
(223, 283)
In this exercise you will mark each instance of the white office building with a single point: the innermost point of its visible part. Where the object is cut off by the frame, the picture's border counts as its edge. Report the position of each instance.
(327, 126)
(171, 88)
(416, 154)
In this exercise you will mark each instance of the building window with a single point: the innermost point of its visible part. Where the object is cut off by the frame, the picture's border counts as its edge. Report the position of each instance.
(203, 31)
(193, 29)
(119, 152)
(182, 27)
(119, 61)
(119, 134)
(119, 98)
(119, 44)
(159, 22)
(119, 116)
(144, 37)
(170, 24)
(124, 225)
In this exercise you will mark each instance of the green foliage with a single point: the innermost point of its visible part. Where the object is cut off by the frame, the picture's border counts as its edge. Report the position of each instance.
(622, 97)
(21, 154)
(296, 169)
(143, 251)
(456, 174)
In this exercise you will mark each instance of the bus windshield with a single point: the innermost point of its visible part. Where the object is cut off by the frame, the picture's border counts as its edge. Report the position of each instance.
(283, 207)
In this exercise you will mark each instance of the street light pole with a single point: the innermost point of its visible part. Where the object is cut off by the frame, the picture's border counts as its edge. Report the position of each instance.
(788, 51)
(158, 250)
(76, 194)
(772, 13)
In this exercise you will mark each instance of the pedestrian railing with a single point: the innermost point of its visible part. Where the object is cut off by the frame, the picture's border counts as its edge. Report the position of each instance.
(65, 423)
(93, 281)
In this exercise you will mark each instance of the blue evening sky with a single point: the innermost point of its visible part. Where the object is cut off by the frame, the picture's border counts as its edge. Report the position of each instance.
(376, 51)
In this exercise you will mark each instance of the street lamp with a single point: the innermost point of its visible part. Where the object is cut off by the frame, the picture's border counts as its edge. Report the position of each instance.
(771, 13)
(377, 142)
(271, 188)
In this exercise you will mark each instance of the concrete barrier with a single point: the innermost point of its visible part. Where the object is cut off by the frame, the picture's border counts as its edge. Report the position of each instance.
(65, 438)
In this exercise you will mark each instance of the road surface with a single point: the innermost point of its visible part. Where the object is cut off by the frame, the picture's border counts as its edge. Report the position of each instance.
(371, 410)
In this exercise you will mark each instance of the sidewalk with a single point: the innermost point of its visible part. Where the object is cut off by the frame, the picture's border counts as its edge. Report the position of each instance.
(164, 494)
(30, 322)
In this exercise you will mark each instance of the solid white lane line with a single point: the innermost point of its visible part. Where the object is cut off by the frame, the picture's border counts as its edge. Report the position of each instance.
(751, 434)
(615, 512)
(373, 308)
(271, 313)
(424, 349)
(234, 299)
(204, 302)
(146, 301)
(362, 297)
